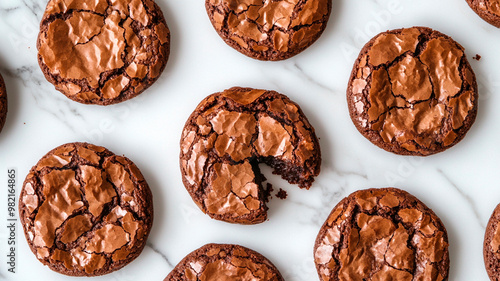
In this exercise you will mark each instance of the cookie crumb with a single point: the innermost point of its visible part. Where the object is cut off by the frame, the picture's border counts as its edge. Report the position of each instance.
(282, 194)
(477, 57)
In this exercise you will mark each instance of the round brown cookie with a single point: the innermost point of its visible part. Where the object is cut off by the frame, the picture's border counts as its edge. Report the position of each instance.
(85, 211)
(103, 52)
(412, 92)
(269, 30)
(224, 262)
(491, 248)
(225, 139)
(488, 10)
(382, 234)
(3, 103)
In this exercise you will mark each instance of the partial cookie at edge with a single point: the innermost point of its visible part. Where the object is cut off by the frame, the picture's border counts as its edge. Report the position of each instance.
(488, 10)
(491, 246)
(224, 262)
(3, 103)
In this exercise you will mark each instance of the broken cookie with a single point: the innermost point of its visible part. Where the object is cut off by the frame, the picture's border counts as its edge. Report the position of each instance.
(225, 139)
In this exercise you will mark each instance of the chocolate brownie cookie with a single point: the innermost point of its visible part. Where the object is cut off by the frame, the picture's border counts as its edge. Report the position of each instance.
(412, 92)
(269, 30)
(225, 139)
(3, 103)
(85, 211)
(102, 52)
(491, 249)
(488, 10)
(224, 262)
(382, 234)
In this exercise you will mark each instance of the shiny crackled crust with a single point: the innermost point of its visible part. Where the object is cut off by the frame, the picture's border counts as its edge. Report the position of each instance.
(85, 211)
(382, 234)
(3, 103)
(226, 137)
(100, 53)
(403, 101)
(491, 247)
(269, 30)
(488, 10)
(224, 262)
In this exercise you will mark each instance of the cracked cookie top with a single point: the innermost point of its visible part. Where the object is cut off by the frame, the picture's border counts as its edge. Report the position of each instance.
(225, 139)
(491, 247)
(488, 10)
(413, 92)
(103, 52)
(3, 103)
(223, 262)
(85, 211)
(269, 29)
(382, 234)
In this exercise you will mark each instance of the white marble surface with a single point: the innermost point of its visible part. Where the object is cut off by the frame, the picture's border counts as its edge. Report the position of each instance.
(460, 185)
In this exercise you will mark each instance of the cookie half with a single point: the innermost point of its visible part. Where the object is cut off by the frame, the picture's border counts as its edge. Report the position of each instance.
(491, 248)
(412, 92)
(382, 234)
(103, 52)
(224, 262)
(3, 103)
(269, 30)
(225, 139)
(85, 211)
(488, 10)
